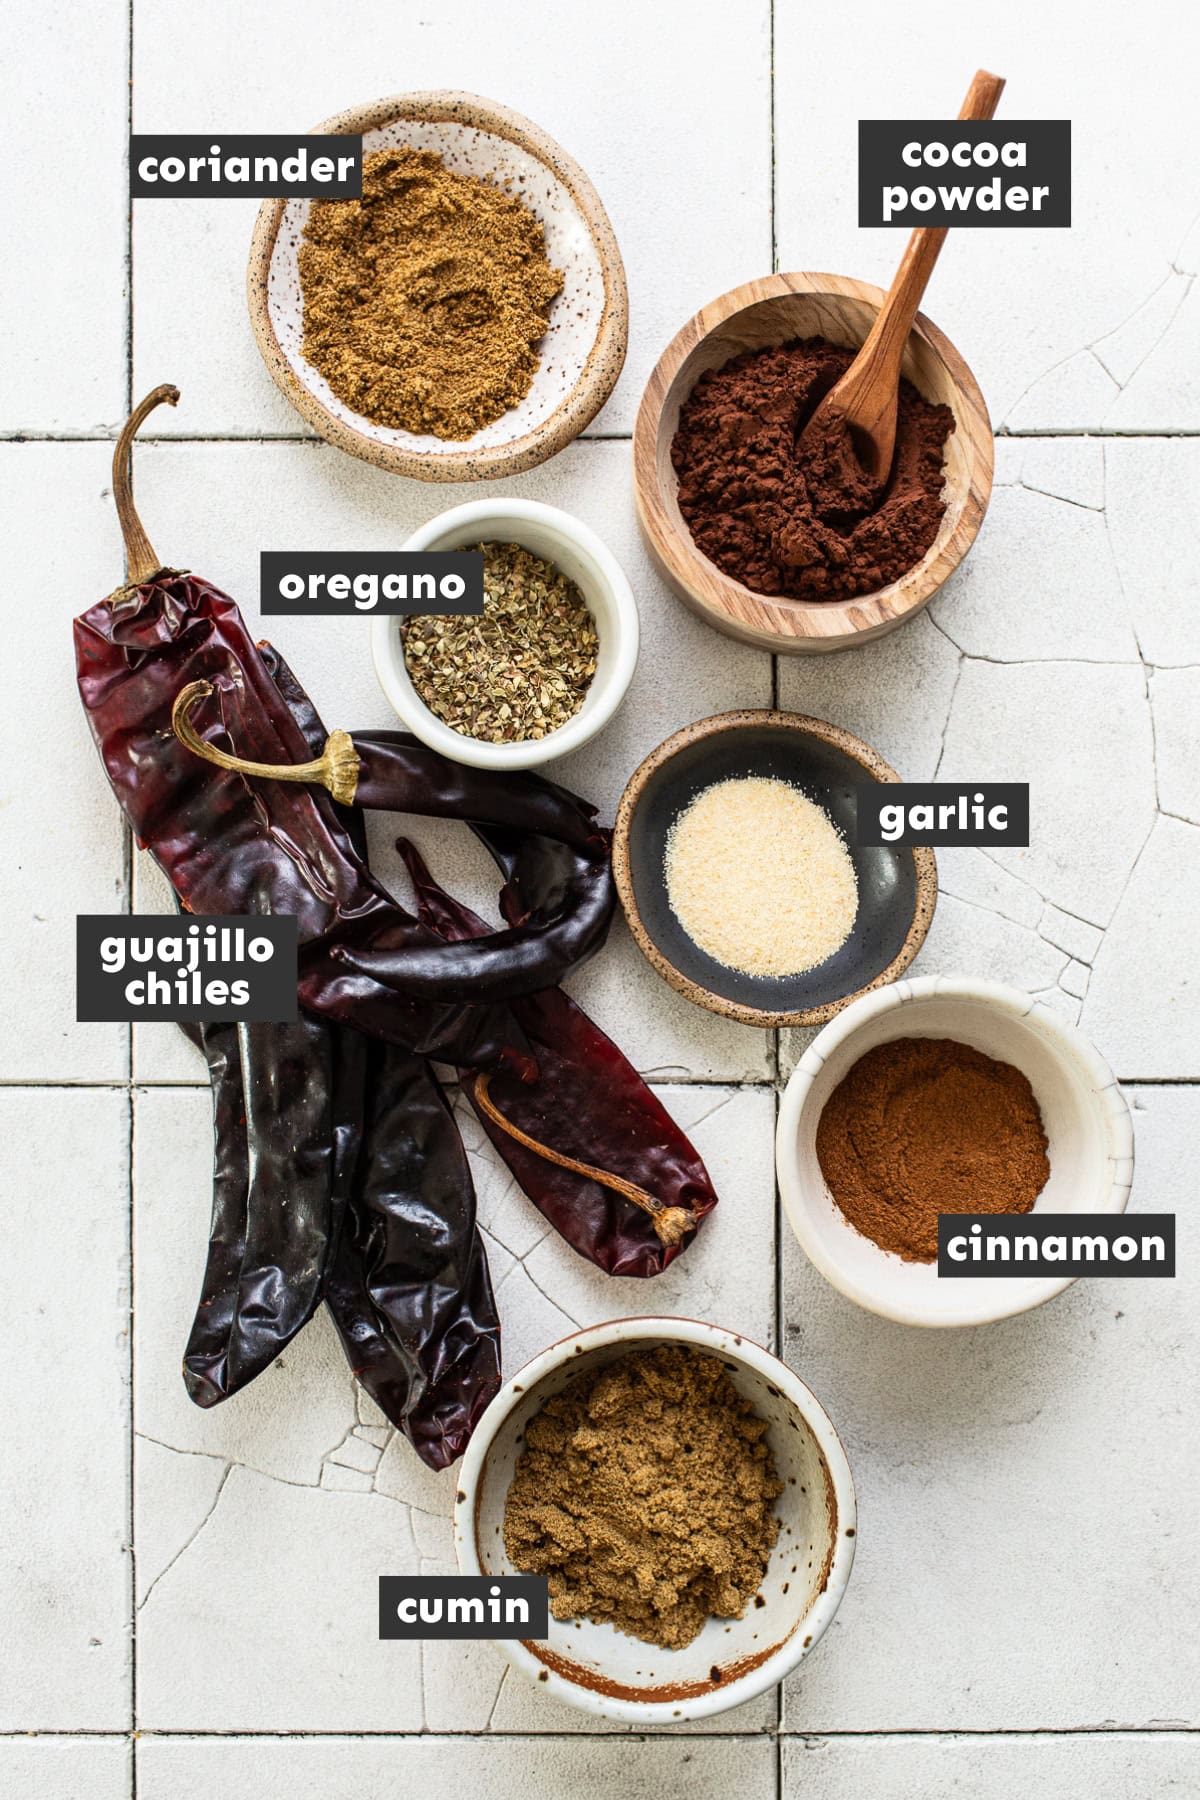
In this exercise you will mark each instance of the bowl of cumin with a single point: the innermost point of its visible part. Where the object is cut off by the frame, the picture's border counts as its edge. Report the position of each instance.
(515, 359)
(588, 1661)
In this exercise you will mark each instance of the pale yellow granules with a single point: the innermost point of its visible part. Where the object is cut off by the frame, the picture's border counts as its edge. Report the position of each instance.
(760, 877)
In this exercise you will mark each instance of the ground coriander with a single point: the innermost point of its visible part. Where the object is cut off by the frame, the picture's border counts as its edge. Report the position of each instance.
(425, 300)
(519, 669)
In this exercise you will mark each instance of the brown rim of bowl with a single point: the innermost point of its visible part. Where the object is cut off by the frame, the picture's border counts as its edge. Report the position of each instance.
(774, 621)
(605, 359)
(868, 759)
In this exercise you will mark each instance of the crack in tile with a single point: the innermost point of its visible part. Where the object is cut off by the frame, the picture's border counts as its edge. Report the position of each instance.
(1090, 349)
(226, 1473)
(556, 1304)
(695, 1124)
(1188, 283)
(1030, 487)
(504, 1674)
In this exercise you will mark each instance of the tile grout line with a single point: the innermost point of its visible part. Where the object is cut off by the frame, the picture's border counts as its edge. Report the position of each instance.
(1002, 433)
(932, 1732)
(773, 1056)
(751, 1084)
(132, 1100)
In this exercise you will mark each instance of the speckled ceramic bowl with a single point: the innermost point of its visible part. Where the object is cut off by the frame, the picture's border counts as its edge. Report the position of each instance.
(897, 887)
(581, 353)
(1084, 1115)
(604, 1671)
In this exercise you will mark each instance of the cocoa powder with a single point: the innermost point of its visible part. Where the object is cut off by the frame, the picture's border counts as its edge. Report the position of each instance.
(803, 519)
(922, 1126)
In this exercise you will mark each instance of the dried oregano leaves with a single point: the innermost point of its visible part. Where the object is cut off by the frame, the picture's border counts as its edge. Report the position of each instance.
(518, 670)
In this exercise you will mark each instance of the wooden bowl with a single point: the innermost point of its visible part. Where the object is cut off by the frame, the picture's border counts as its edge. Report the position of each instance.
(897, 887)
(772, 311)
(581, 353)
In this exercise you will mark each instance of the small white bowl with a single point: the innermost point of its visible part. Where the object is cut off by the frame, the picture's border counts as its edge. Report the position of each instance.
(604, 1671)
(574, 548)
(1084, 1114)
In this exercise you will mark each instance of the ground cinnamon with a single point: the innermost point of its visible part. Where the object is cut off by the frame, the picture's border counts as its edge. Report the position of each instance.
(645, 1493)
(424, 301)
(802, 518)
(922, 1126)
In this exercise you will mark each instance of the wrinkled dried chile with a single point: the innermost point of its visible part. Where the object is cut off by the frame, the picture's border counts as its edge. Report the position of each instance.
(407, 1283)
(571, 1107)
(338, 1170)
(803, 519)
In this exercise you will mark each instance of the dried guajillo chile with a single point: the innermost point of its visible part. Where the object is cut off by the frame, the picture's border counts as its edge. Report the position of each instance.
(632, 1217)
(588, 1106)
(407, 1283)
(273, 1199)
(242, 836)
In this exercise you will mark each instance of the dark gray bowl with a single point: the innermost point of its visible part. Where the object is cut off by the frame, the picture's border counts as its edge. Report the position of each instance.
(897, 888)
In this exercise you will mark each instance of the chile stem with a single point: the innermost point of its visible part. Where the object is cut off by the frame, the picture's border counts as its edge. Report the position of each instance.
(144, 565)
(671, 1223)
(336, 768)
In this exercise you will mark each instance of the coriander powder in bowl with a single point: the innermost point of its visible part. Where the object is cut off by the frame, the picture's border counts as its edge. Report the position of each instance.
(467, 317)
(545, 666)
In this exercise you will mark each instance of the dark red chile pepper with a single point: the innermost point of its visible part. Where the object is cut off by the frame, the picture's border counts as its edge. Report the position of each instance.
(338, 1170)
(408, 1286)
(272, 1199)
(588, 1104)
(407, 1283)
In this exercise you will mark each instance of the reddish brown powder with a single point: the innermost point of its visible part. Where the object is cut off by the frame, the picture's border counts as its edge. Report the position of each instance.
(923, 1126)
(803, 521)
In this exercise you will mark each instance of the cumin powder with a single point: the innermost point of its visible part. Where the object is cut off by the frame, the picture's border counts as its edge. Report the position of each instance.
(424, 301)
(645, 1493)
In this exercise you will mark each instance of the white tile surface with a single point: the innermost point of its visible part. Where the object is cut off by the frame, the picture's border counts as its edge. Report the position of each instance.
(351, 1768)
(63, 836)
(66, 284)
(1024, 1558)
(64, 1337)
(63, 1768)
(1143, 993)
(306, 1560)
(1123, 1767)
(1155, 525)
(1095, 326)
(623, 123)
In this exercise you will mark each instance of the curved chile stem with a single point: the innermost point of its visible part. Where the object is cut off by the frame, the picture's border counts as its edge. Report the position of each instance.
(144, 565)
(336, 768)
(671, 1223)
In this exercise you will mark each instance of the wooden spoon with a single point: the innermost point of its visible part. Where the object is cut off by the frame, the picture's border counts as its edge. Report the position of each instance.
(864, 400)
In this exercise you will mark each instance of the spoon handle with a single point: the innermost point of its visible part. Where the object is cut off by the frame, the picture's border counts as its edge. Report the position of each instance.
(889, 334)
(875, 373)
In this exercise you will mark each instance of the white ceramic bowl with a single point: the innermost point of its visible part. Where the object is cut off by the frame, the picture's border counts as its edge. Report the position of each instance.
(574, 548)
(604, 1671)
(1084, 1114)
